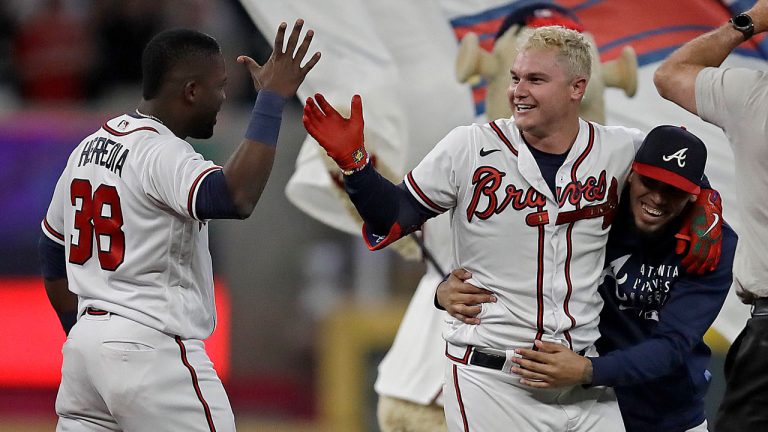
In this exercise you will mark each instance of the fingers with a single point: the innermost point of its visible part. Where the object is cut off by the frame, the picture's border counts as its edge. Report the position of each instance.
(536, 384)
(312, 110)
(325, 106)
(293, 39)
(279, 38)
(528, 374)
(529, 354)
(356, 108)
(311, 63)
(462, 274)
(304, 47)
(549, 347)
(470, 319)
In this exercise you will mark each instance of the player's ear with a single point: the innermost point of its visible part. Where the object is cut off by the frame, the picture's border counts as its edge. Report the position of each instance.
(190, 91)
(578, 87)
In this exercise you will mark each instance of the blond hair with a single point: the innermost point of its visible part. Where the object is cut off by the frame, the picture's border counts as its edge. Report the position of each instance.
(572, 47)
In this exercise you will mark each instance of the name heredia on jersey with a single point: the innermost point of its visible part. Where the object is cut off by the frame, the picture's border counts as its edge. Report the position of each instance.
(104, 152)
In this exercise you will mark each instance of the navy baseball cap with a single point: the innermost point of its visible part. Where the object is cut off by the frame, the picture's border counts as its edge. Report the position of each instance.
(672, 155)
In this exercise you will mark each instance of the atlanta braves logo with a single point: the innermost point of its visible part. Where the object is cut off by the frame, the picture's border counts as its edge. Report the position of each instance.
(488, 180)
(679, 155)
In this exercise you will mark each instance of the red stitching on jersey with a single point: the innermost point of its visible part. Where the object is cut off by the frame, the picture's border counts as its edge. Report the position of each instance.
(422, 195)
(458, 397)
(583, 156)
(464, 360)
(568, 283)
(52, 231)
(540, 284)
(195, 384)
(503, 137)
(194, 188)
(116, 133)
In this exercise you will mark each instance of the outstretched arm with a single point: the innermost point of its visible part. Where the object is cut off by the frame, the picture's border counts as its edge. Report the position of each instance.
(249, 167)
(389, 211)
(675, 79)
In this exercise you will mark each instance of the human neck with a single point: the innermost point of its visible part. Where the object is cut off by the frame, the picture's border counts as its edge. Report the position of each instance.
(555, 140)
(164, 114)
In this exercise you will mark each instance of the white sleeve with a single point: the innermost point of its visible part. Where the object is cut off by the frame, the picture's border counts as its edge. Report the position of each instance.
(637, 138)
(173, 174)
(723, 94)
(53, 224)
(435, 181)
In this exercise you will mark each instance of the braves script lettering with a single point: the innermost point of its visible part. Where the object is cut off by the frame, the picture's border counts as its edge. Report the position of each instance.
(488, 180)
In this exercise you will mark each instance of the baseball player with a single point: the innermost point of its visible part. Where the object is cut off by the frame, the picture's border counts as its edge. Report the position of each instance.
(126, 231)
(655, 313)
(734, 99)
(531, 201)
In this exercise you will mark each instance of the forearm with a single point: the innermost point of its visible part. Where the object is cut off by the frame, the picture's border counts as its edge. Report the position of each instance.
(63, 301)
(675, 79)
(382, 205)
(249, 167)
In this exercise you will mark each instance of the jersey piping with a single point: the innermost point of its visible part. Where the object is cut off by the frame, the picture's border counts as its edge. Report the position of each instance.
(192, 197)
(503, 137)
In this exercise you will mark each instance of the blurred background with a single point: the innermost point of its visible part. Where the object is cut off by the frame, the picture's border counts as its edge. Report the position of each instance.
(307, 312)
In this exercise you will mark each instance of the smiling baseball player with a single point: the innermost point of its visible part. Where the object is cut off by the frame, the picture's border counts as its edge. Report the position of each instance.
(126, 232)
(531, 202)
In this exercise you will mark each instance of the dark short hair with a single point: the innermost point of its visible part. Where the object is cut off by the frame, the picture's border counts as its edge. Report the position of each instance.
(167, 49)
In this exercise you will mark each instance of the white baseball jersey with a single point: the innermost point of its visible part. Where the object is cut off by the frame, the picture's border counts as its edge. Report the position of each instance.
(124, 209)
(540, 254)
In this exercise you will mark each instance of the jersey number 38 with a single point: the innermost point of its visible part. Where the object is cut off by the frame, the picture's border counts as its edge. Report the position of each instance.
(97, 214)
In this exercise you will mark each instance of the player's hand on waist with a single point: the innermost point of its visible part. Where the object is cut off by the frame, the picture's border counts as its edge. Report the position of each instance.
(553, 365)
(341, 138)
(462, 300)
(283, 73)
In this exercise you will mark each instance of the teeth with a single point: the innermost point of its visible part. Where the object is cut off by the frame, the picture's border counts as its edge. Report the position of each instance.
(652, 211)
(523, 107)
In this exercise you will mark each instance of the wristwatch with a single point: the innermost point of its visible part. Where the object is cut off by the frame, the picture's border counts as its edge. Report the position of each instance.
(743, 23)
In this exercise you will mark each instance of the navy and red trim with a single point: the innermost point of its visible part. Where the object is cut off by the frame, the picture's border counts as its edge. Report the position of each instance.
(116, 133)
(195, 384)
(540, 284)
(193, 190)
(569, 235)
(52, 231)
(458, 398)
(503, 137)
(463, 360)
(568, 282)
(583, 156)
(422, 195)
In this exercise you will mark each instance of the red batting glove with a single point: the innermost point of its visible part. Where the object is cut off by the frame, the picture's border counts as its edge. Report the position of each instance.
(702, 232)
(341, 138)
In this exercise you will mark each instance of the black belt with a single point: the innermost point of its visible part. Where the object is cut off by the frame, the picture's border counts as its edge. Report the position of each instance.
(491, 361)
(760, 307)
(495, 361)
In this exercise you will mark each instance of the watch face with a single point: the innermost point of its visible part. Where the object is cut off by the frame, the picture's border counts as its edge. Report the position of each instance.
(742, 21)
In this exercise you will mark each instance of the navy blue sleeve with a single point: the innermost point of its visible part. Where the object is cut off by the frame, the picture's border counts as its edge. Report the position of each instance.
(693, 305)
(389, 211)
(213, 198)
(53, 262)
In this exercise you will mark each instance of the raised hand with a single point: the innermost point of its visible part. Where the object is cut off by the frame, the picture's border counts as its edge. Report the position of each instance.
(341, 138)
(701, 233)
(462, 300)
(282, 73)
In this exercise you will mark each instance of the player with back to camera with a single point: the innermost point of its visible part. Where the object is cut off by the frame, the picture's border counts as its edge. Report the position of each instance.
(125, 251)
(655, 312)
(531, 201)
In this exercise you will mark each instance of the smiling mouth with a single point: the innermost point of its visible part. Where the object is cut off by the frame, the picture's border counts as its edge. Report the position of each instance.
(652, 211)
(523, 107)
